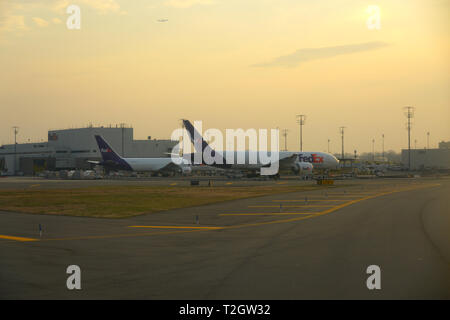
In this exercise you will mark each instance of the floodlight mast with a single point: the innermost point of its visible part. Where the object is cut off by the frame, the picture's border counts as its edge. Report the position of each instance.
(342, 129)
(301, 121)
(409, 113)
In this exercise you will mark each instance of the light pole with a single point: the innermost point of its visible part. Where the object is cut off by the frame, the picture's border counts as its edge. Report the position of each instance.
(301, 121)
(382, 146)
(428, 140)
(16, 131)
(122, 125)
(328, 145)
(409, 115)
(414, 154)
(285, 134)
(373, 150)
(342, 136)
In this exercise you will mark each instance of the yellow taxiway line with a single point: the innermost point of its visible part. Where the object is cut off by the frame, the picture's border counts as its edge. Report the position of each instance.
(309, 200)
(176, 227)
(312, 215)
(188, 229)
(22, 239)
(297, 206)
(123, 235)
(265, 214)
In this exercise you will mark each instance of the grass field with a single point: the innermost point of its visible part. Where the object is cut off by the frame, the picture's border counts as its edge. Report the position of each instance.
(127, 201)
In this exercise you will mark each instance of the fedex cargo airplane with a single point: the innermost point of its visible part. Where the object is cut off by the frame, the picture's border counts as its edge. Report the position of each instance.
(112, 161)
(299, 162)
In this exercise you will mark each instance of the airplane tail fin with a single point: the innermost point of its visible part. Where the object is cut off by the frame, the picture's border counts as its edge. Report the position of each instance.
(196, 138)
(109, 156)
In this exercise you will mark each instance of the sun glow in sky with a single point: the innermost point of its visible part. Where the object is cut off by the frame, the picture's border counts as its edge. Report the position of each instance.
(230, 63)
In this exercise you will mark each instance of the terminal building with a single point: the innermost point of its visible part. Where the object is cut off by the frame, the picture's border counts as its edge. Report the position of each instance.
(72, 148)
(428, 158)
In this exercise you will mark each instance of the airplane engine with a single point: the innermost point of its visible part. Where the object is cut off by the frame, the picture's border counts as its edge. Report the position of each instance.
(302, 168)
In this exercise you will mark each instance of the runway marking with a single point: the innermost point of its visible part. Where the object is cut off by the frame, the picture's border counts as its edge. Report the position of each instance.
(281, 182)
(34, 185)
(22, 239)
(303, 200)
(229, 183)
(343, 195)
(264, 214)
(349, 193)
(326, 211)
(176, 227)
(173, 184)
(298, 206)
(199, 229)
(123, 235)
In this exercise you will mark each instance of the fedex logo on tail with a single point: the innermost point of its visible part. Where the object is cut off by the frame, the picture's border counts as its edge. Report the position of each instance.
(105, 150)
(313, 158)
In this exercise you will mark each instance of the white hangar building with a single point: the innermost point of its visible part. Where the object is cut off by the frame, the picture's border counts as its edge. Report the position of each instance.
(71, 148)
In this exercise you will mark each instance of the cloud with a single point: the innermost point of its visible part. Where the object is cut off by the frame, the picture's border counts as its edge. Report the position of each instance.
(14, 13)
(101, 6)
(13, 23)
(9, 19)
(309, 54)
(187, 3)
(40, 22)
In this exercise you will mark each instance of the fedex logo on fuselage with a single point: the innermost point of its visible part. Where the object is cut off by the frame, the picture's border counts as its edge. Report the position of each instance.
(313, 158)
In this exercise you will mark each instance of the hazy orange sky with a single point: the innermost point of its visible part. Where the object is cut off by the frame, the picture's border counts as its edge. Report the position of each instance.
(231, 63)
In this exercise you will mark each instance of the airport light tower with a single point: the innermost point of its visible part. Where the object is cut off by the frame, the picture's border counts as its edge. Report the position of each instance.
(16, 131)
(341, 129)
(301, 121)
(122, 126)
(373, 150)
(409, 113)
(285, 134)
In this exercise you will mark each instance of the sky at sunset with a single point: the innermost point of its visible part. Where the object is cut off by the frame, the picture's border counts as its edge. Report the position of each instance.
(230, 63)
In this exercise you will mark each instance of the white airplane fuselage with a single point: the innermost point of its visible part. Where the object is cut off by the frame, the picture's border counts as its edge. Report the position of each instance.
(252, 160)
(147, 164)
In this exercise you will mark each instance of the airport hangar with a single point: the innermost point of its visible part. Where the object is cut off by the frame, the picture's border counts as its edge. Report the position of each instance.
(428, 158)
(69, 149)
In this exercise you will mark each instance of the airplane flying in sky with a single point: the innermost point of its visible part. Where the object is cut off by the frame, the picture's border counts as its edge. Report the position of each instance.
(112, 161)
(299, 162)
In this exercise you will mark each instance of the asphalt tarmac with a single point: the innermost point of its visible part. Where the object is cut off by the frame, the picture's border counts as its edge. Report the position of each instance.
(303, 245)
